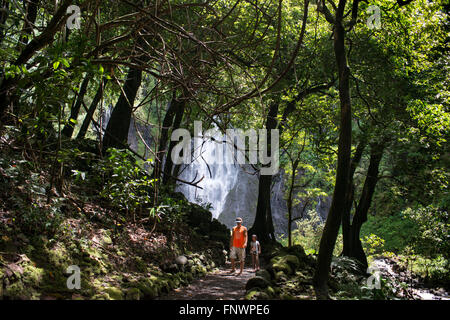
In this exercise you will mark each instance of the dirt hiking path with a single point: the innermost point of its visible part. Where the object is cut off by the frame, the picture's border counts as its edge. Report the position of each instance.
(218, 285)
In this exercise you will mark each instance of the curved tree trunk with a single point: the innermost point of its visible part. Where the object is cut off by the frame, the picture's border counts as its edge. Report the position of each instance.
(356, 250)
(349, 201)
(75, 110)
(90, 113)
(164, 137)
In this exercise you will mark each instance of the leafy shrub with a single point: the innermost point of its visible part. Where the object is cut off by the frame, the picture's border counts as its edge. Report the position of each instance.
(127, 185)
(433, 236)
(26, 197)
(373, 244)
(436, 268)
(42, 220)
(396, 230)
(309, 232)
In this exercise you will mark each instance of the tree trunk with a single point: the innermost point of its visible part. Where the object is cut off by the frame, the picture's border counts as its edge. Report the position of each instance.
(350, 196)
(356, 250)
(27, 29)
(75, 110)
(3, 16)
(164, 137)
(176, 124)
(290, 200)
(116, 135)
(263, 224)
(91, 110)
(271, 228)
(338, 203)
(260, 227)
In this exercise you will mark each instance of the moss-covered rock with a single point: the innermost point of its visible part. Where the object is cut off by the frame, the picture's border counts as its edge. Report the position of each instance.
(256, 295)
(293, 261)
(173, 282)
(58, 256)
(296, 250)
(32, 275)
(283, 267)
(256, 282)
(200, 218)
(15, 290)
(280, 275)
(286, 263)
(189, 276)
(164, 285)
(147, 287)
(114, 293)
(270, 292)
(286, 296)
(133, 294)
(140, 264)
(29, 249)
(101, 296)
(106, 239)
(199, 270)
(264, 273)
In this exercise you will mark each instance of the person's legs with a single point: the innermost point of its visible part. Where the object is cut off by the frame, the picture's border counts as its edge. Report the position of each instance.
(242, 259)
(257, 261)
(253, 261)
(232, 266)
(232, 258)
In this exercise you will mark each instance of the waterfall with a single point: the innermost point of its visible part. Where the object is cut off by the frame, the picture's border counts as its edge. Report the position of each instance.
(219, 177)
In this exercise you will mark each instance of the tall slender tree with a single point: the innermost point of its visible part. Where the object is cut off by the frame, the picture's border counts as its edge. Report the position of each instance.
(116, 134)
(74, 111)
(338, 203)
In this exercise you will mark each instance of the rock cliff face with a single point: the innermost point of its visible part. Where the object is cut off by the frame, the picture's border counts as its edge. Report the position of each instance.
(240, 200)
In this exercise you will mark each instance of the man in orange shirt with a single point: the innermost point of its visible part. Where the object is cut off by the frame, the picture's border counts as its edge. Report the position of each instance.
(238, 243)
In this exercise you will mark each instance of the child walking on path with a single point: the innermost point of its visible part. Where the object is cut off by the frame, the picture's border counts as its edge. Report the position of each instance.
(255, 250)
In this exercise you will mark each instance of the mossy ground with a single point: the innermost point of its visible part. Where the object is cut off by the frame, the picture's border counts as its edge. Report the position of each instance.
(138, 264)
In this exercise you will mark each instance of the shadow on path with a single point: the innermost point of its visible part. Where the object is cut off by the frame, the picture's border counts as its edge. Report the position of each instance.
(218, 285)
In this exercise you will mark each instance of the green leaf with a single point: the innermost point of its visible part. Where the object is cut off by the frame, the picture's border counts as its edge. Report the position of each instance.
(65, 62)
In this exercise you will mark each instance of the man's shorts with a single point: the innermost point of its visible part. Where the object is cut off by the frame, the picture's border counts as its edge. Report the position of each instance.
(237, 253)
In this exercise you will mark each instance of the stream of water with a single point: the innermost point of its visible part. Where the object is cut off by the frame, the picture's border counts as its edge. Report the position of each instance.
(416, 290)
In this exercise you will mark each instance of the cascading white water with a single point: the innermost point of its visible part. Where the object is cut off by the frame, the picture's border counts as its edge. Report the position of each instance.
(219, 177)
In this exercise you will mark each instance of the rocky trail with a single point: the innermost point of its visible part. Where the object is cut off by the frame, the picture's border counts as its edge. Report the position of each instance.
(217, 285)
